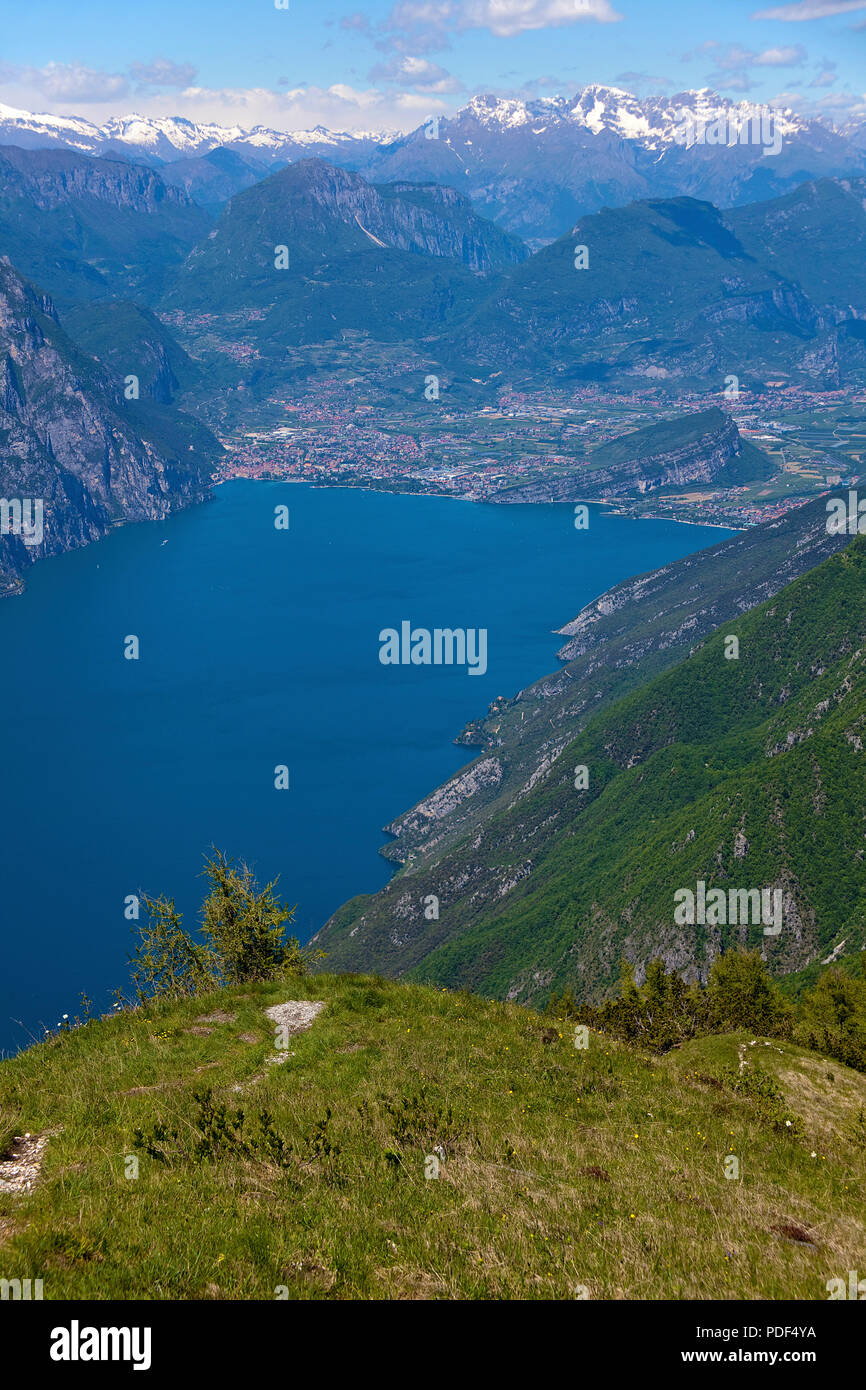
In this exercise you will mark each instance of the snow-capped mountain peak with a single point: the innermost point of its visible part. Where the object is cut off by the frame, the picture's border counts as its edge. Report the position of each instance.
(165, 139)
(597, 109)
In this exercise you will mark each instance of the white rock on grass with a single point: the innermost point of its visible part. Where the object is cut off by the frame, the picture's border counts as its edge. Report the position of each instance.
(20, 1170)
(294, 1016)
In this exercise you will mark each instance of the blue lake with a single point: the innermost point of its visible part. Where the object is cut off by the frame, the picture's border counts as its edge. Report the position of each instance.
(258, 647)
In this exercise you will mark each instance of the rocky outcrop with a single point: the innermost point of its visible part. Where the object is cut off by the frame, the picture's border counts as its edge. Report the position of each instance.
(69, 451)
(444, 804)
(53, 178)
(439, 221)
(705, 448)
(701, 460)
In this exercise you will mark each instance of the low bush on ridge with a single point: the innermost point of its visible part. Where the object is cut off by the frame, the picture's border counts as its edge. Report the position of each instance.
(242, 938)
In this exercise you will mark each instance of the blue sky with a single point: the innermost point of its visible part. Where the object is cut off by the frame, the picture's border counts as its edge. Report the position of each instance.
(387, 64)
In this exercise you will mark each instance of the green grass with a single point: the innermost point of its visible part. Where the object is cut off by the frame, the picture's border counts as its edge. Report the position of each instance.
(563, 1168)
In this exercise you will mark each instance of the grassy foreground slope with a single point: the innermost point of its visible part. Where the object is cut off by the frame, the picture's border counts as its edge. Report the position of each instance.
(561, 1169)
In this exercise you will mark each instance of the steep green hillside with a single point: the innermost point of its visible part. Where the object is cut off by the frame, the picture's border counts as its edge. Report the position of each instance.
(814, 236)
(743, 773)
(563, 1172)
(127, 338)
(635, 630)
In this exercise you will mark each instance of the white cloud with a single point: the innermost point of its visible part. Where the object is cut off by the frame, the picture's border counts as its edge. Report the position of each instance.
(422, 26)
(72, 82)
(733, 63)
(788, 57)
(507, 17)
(732, 57)
(834, 106)
(409, 71)
(811, 9)
(72, 89)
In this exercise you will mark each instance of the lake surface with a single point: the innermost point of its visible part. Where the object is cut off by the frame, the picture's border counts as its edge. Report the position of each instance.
(258, 647)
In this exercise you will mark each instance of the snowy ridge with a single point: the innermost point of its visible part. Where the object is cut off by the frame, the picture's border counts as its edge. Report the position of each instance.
(164, 138)
(653, 123)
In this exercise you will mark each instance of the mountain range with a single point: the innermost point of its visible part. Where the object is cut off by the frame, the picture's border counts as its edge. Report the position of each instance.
(672, 291)
(398, 260)
(534, 167)
(678, 290)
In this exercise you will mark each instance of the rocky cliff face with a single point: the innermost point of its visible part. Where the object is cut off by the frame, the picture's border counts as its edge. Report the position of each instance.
(51, 178)
(700, 461)
(66, 444)
(424, 218)
(703, 448)
(439, 221)
(85, 228)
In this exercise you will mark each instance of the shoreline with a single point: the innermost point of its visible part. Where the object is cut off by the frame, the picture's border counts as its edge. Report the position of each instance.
(732, 525)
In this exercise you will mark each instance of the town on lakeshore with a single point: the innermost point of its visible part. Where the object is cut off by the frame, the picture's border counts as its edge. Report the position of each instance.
(337, 432)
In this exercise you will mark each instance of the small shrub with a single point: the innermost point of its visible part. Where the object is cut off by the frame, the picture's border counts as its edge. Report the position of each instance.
(167, 963)
(767, 1096)
(244, 930)
(217, 1133)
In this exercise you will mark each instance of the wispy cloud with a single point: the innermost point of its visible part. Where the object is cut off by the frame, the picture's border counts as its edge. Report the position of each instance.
(825, 76)
(837, 107)
(811, 9)
(69, 82)
(639, 82)
(422, 26)
(405, 70)
(163, 73)
(76, 82)
(733, 63)
(359, 22)
(731, 56)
